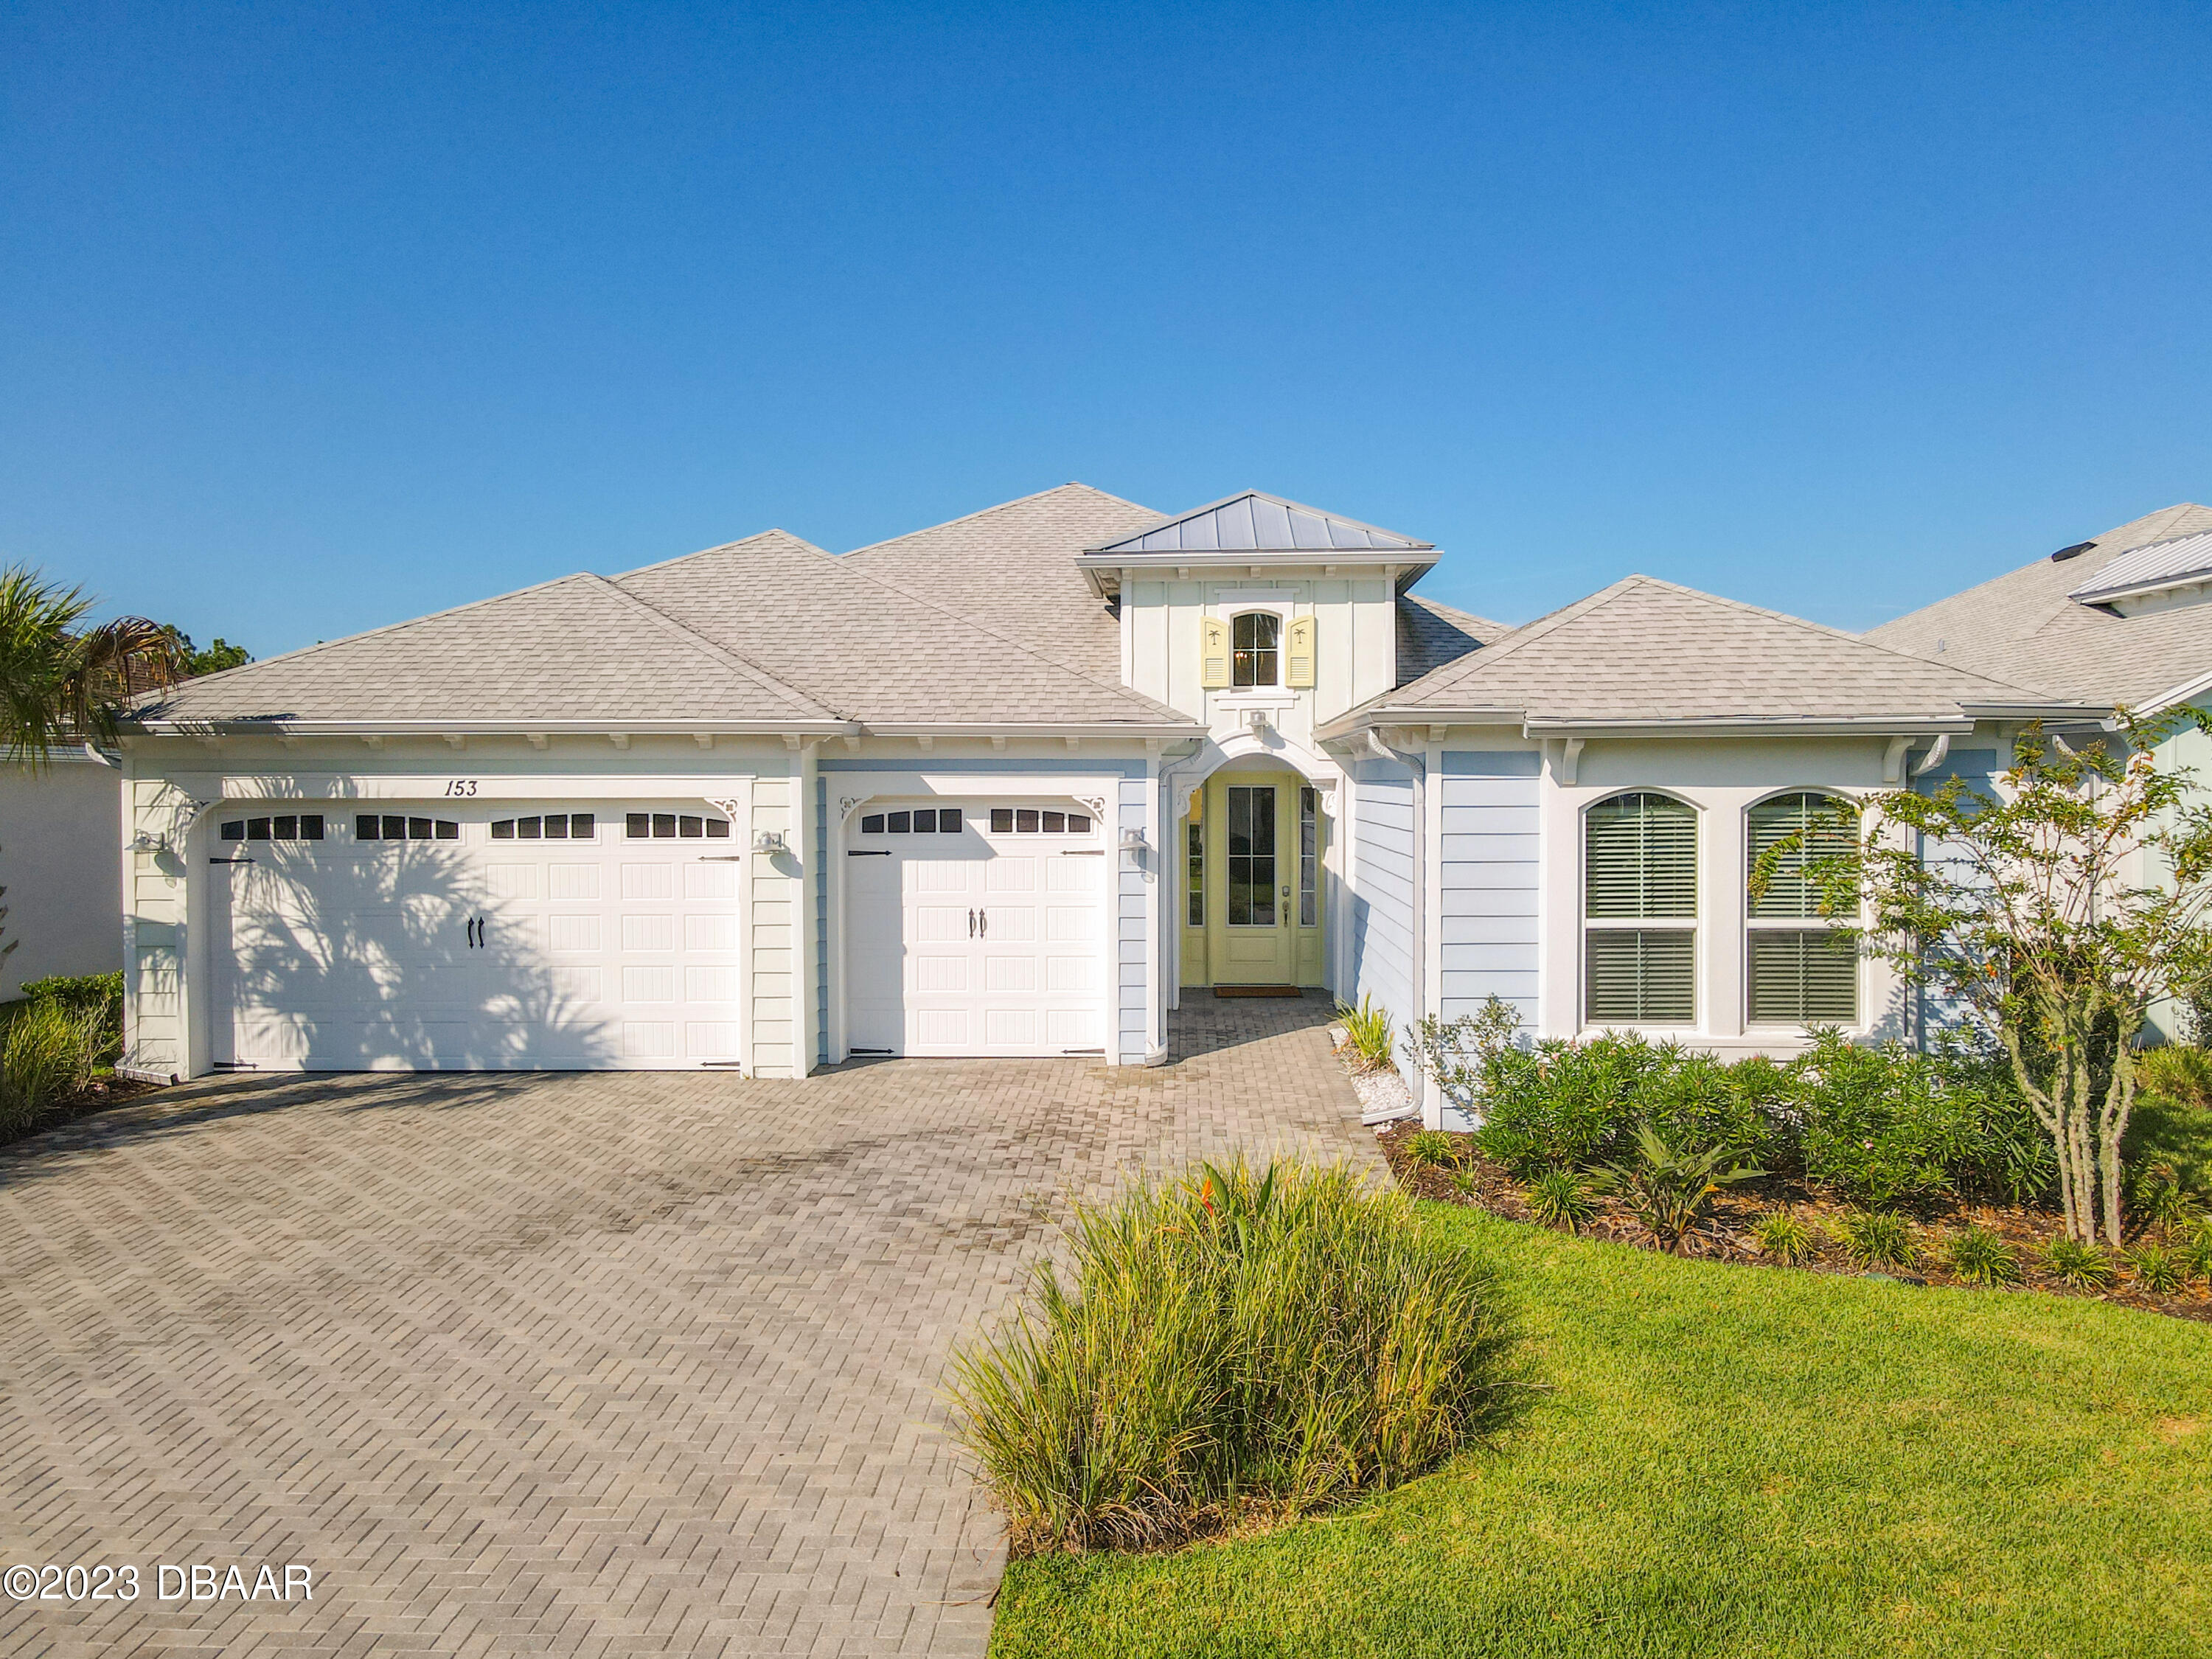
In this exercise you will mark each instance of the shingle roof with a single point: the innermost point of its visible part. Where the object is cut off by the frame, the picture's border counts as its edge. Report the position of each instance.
(1432, 635)
(1011, 567)
(1644, 650)
(2023, 626)
(874, 652)
(1257, 522)
(576, 650)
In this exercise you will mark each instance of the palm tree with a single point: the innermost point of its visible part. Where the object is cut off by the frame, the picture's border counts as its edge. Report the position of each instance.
(61, 684)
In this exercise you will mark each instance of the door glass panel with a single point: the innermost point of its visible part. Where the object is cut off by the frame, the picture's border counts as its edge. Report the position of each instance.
(1308, 859)
(1251, 856)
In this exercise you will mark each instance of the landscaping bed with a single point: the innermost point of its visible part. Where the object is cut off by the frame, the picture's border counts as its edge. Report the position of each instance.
(1470, 1178)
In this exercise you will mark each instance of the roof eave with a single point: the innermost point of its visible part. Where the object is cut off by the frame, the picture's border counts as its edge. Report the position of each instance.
(250, 725)
(1175, 730)
(1103, 570)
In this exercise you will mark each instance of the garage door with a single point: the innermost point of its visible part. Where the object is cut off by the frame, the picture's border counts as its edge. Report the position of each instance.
(975, 929)
(540, 935)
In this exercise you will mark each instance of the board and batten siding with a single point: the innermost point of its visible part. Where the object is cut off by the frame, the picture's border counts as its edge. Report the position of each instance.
(1490, 878)
(1382, 892)
(778, 894)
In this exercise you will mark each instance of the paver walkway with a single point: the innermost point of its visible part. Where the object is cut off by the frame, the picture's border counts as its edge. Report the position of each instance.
(639, 1363)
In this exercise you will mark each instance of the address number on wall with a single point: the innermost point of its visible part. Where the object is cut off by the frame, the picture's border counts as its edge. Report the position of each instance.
(460, 787)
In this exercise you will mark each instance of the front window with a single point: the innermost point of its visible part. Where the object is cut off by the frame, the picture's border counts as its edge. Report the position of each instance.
(1308, 859)
(1640, 910)
(1799, 968)
(1256, 641)
(1194, 864)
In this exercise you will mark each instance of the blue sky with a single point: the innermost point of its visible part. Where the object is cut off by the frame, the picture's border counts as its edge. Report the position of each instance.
(315, 320)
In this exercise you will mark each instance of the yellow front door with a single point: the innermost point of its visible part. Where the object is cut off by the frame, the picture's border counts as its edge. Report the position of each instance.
(1252, 903)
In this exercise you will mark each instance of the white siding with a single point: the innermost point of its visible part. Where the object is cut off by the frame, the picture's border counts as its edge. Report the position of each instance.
(1490, 877)
(1133, 951)
(1382, 891)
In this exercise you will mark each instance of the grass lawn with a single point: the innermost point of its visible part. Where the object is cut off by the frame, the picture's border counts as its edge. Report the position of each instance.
(1733, 1460)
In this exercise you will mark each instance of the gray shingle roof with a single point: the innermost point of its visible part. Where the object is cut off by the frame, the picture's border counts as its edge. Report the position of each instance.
(1431, 634)
(874, 652)
(2022, 626)
(1644, 650)
(576, 650)
(1011, 569)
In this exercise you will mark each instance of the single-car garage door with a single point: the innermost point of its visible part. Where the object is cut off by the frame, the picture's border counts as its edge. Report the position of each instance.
(554, 935)
(976, 928)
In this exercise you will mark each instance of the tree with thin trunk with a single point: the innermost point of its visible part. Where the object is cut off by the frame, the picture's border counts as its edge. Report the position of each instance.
(2057, 915)
(62, 684)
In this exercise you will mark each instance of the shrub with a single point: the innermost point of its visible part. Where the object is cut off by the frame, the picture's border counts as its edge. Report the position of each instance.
(2084, 1267)
(1670, 1190)
(47, 1054)
(1561, 1199)
(1875, 1239)
(1433, 1149)
(1367, 1028)
(2195, 1249)
(1884, 1125)
(2156, 1267)
(1284, 1341)
(1981, 1257)
(2158, 1197)
(1565, 1105)
(1782, 1236)
(2182, 1075)
(78, 990)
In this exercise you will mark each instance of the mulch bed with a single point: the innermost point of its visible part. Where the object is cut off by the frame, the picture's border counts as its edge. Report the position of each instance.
(1725, 1236)
(98, 1096)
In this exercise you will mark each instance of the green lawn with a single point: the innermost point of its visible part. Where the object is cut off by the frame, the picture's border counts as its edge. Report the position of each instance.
(1735, 1460)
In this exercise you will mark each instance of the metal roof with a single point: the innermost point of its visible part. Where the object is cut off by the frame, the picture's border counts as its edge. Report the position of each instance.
(2147, 569)
(1258, 523)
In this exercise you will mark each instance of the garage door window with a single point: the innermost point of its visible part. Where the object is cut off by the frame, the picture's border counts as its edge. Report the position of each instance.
(1033, 821)
(928, 821)
(550, 826)
(287, 826)
(674, 826)
(390, 826)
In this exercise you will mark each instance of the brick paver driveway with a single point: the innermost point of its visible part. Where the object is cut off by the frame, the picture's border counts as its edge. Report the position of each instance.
(599, 1365)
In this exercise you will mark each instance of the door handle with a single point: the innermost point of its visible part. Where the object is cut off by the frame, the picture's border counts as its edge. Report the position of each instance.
(983, 917)
(971, 923)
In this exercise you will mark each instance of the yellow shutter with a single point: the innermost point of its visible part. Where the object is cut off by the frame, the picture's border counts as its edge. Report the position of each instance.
(1214, 653)
(1299, 654)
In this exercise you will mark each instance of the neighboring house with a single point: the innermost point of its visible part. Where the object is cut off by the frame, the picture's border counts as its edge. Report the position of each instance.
(1015, 785)
(2123, 619)
(61, 839)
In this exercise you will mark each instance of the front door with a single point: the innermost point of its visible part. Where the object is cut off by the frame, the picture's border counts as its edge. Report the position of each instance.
(1257, 947)
(1252, 857)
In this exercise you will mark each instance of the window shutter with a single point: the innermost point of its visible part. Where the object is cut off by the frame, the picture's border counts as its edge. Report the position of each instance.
(1641, 858)
(1299, 657)
(1214, 653)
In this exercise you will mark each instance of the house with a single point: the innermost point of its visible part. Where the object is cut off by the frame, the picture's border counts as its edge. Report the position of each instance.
(61, 837)
(1016, 785)
(2124, 619)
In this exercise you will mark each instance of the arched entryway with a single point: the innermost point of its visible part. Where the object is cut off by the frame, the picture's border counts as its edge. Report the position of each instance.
(1253, 856)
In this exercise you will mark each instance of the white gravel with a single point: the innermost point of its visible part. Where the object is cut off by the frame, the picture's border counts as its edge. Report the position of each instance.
(1383, 1096)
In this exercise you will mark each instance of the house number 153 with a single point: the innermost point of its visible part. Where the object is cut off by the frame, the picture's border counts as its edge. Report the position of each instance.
(460, 787)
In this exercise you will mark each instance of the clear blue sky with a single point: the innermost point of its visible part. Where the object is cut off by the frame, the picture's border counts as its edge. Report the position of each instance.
(315, 320)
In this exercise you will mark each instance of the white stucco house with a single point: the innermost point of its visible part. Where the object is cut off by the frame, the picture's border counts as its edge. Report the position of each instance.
(1016, 785)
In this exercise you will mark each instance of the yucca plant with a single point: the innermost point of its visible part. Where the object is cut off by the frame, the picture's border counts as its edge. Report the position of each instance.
(2156, 1266)
(1434, 1149)
(1367, 1028)
(1281, 1339)
(1875, 1240)
(2085, 1267)
(1561, 1199)
(1669, 1191)
(1782, 1236)
(1979, 1256)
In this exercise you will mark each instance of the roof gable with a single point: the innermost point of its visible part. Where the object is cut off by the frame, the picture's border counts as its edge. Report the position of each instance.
(1644, 651)
(1260, 523)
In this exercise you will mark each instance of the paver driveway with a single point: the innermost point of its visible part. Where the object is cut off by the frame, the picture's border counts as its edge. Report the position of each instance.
(599, 1365)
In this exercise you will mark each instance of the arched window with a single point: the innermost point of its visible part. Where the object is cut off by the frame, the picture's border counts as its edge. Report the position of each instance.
(1640, 912)
(1799, 968)
(1255, 647)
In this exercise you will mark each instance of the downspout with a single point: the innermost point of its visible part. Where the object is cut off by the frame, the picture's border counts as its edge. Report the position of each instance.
(1432, 1100)
(1938, 753)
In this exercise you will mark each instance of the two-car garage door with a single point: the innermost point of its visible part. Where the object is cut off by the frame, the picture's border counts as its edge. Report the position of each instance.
(976, 928)
(540, 935)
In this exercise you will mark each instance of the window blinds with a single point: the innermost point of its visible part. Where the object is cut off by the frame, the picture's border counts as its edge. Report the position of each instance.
(1824, 833)
(1641, 859)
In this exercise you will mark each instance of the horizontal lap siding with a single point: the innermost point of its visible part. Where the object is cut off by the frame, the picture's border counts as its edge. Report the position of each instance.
(1382, 891)
(1135, 990)
(1490, 866)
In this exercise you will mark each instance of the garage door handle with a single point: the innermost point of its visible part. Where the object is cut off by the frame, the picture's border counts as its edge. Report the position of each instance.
(971, 924)
(984, 918)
